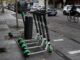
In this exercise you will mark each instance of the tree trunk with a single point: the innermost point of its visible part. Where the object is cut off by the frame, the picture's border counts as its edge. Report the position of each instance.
(2, 6)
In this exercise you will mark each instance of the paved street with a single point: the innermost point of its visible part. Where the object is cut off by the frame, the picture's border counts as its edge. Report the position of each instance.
(69, 35)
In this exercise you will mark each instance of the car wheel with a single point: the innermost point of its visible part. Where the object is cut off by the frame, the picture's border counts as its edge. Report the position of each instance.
(55, 14)
(64, 13)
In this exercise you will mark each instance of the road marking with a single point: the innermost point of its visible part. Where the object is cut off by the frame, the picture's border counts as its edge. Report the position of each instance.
(43, 59)
(56, 40)
(74, 52)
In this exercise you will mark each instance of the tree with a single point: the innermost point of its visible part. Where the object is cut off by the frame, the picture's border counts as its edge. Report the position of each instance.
(2, 6)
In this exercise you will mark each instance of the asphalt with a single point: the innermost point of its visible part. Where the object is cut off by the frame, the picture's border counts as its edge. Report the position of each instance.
(60, 28)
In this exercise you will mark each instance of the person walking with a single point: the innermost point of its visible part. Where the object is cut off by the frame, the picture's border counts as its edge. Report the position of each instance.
(73, 10)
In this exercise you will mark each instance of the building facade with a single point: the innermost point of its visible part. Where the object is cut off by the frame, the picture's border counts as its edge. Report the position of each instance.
(56, 3)
(72, 1)
(61, 3)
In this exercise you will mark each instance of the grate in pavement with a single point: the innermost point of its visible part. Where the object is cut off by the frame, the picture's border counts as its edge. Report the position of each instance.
(2, 50)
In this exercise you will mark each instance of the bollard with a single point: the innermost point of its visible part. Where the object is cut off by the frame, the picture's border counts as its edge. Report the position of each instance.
(10, 35)
(28, 27)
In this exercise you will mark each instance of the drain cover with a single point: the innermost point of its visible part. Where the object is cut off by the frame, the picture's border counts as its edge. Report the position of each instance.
(2, 50)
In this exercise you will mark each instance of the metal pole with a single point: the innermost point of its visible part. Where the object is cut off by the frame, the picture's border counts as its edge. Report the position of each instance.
(45, 4)
(64, 1)
(2, 6)
(17, 26)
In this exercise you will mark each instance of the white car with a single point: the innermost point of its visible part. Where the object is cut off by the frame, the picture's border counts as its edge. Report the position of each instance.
(36, 6)
(67, 8)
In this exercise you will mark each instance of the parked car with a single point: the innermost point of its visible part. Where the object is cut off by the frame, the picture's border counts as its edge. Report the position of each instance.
(67, 9)
(11, 7)
(36, 6)
(52, 12)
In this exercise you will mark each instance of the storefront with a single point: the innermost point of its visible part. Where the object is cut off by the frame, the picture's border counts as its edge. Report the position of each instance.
(72, 1)
(56, 3)
(61, 3)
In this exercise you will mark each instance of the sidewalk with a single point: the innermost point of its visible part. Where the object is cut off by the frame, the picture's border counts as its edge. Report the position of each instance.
(12, 50)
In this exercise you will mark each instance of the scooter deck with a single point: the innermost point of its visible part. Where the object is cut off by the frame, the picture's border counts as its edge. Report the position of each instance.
(37, 52)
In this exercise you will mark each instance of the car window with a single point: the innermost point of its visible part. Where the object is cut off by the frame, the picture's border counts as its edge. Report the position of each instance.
(69, 7)
(78, 6)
